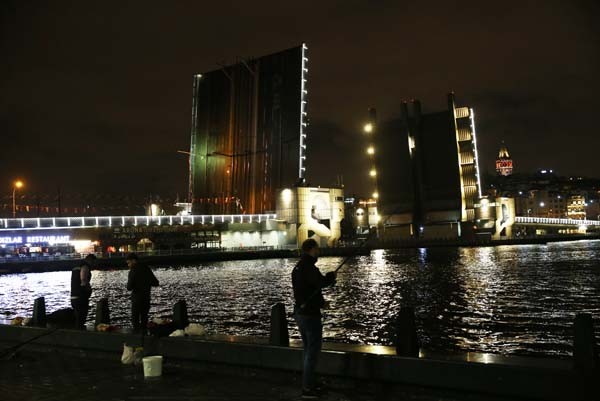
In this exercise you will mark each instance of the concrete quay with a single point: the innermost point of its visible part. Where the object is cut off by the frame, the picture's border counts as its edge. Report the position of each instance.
(346, 367)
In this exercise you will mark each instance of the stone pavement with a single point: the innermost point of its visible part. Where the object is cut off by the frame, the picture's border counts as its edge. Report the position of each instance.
(56, 376)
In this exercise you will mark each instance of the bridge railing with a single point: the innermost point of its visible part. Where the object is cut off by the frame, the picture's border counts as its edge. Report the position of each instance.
(49, 223)
(555, 221)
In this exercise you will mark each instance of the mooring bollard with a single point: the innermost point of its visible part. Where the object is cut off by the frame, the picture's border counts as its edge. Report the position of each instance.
(584, 343)
(39, 312)
(102, 312)
(180, 315)
(407, 342)
(279, 327)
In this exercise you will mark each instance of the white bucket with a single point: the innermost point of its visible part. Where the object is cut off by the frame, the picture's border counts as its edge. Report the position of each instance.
(152, 366)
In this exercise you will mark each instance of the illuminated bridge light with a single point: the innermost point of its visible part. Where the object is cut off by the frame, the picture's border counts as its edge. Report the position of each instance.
(555, 221)
(57, 223)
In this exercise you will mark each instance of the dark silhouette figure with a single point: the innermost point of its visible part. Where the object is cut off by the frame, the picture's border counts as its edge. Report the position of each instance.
(140, 280)
(81, 290)
(307, 281)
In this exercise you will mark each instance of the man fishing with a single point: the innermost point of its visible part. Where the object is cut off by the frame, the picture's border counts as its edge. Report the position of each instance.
(307, 282)
(81, 290)
(139, 281)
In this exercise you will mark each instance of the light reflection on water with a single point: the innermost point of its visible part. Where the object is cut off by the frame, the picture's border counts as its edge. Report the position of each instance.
(508, 299)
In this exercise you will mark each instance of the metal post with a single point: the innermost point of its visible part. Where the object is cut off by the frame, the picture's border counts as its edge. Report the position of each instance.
(39, 313)
(180, 315)
(407, 342)
(584, 344)
(279, 329)
(102, 312)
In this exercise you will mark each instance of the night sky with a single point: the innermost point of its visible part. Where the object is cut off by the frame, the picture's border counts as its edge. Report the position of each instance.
(97, 98)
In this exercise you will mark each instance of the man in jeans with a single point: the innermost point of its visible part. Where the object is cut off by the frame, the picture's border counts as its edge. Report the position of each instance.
(307, 281)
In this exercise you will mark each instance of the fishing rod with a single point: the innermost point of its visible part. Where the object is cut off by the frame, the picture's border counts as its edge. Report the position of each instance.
(344, 261)
(356, 251)
(347, 258)
(12, 351)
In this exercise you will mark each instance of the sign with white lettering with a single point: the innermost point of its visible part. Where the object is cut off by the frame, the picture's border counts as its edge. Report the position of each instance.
(36, 239)
(52, 239)
(11, 240)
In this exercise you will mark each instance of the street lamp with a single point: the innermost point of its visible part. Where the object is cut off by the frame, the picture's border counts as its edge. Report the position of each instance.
(17, 185)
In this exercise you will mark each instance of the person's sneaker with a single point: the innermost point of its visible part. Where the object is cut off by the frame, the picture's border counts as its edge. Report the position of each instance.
(309, 394)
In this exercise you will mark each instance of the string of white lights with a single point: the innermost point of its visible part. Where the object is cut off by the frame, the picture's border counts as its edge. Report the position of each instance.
(303, 112)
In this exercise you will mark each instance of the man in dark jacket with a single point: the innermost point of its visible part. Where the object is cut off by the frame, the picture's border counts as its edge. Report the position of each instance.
(307, 281)
(81, 290)
(139, 282)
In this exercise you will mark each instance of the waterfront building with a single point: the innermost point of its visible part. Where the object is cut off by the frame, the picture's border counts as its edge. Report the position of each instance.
(504, 163)
(592, 210)
(541, 203)
(576, 207)
(109, 234)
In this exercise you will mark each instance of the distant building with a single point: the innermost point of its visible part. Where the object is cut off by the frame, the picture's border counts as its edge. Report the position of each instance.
(504, 163)
(576, 207)
(541, 203)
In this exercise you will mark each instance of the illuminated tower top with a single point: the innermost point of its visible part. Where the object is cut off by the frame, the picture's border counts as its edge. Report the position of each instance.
(504, 164)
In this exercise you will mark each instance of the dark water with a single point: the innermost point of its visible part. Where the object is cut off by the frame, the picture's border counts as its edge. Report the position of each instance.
(508, 299)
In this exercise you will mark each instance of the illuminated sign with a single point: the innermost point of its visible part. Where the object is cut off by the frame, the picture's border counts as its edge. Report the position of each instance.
(11, 240)
(51, 239)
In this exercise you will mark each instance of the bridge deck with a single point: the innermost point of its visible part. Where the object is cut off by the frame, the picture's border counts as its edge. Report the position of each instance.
(49, 223)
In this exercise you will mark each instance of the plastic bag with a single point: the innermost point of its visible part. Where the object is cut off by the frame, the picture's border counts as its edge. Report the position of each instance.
(138, 356)
(195, 329)
(128, 356)
(132, 355)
